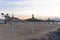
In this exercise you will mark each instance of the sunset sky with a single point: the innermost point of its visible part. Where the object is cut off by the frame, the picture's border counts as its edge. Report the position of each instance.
(25, 8)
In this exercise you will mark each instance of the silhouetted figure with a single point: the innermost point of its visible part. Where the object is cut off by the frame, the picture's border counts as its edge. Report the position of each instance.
(33, 18)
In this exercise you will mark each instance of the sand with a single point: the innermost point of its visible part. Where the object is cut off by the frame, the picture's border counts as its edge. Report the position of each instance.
(23, 30)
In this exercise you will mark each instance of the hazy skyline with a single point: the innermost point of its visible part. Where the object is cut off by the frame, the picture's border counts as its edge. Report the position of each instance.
(25, 8)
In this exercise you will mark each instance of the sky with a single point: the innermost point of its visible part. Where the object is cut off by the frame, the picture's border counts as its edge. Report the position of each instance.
(25, 8)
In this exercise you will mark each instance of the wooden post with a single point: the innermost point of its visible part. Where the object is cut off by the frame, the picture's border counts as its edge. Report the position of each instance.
(33, 30)
(13, 24)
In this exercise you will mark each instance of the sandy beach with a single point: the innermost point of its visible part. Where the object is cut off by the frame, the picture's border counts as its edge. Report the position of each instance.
(23, 30)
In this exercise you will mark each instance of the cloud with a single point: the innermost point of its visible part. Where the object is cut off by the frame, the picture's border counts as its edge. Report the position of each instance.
(46, 7)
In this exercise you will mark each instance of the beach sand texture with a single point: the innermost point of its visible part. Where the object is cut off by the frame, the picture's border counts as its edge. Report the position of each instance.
(23, 30)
